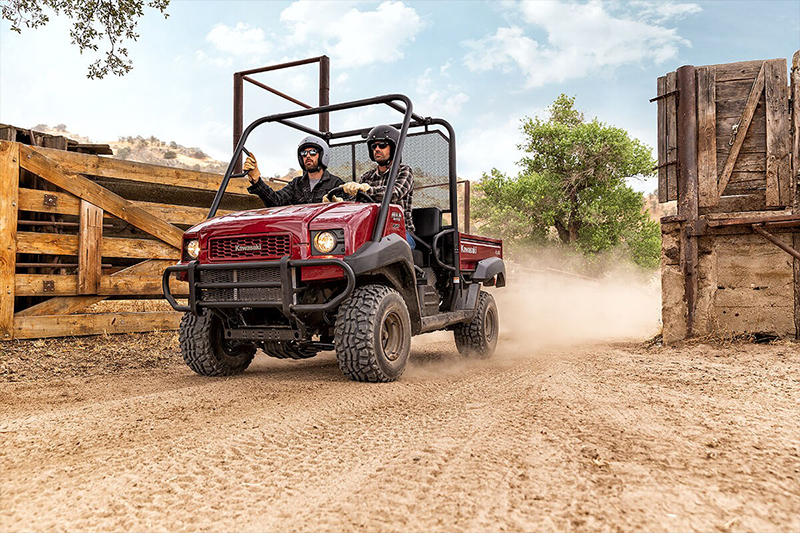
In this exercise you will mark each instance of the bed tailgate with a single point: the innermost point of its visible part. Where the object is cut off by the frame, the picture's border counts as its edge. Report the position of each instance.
(474, 248)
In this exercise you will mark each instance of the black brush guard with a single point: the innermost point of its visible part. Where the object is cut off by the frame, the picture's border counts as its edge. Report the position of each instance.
(287, 284)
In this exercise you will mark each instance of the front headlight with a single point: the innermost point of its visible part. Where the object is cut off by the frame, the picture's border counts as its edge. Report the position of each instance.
(193, 248)
(325, 242)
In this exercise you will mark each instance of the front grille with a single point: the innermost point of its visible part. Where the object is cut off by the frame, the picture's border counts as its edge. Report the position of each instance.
(254, 247)
(241, 295)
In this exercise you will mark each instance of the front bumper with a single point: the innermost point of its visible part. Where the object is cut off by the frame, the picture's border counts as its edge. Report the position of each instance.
(285, 287)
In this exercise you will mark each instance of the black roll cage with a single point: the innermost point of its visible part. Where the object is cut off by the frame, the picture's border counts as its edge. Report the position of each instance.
(398, 102)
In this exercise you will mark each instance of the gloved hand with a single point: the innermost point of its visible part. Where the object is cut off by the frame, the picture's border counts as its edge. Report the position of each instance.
(352, 187)
(336, 199)
(251, 167)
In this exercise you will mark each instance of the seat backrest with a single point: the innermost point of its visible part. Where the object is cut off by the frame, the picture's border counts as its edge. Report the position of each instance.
(427, 221)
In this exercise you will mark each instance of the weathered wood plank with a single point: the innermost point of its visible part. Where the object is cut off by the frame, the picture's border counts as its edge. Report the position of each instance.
(113, 285)
(661, 85)
(778, 134)
(754, 201)
(733, 109)
(34, 200)
(706, 137)
(34, 161)
(70, 304)
(69, 204)
(672, 138)
(93, 165)
(744, 125)
(746, 162)
(36, 327)
(90, 240)
(739, 70)
(63, 244)
(9, 186)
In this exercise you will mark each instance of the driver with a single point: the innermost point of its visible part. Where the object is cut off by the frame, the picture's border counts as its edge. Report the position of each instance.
(313, 154)
(382, 146)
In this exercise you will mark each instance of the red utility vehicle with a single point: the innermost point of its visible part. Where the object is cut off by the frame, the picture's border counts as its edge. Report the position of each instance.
(299, 279)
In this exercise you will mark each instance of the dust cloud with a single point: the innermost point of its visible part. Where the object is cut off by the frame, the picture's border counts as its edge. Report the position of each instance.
(542, 308)
(549, 308)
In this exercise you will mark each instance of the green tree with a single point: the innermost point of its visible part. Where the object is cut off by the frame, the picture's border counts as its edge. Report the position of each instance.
(92, 22)
(572, 186)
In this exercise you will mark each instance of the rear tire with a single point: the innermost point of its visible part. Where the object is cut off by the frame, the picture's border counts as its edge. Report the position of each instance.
(373, 334)
(478, 339)
(287, 350)
(206, 352)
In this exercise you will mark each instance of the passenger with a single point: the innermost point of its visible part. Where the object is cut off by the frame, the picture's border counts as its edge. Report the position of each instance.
(313, 154)
(382, 146)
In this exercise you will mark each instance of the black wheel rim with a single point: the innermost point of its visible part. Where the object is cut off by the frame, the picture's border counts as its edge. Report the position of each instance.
(392, 336)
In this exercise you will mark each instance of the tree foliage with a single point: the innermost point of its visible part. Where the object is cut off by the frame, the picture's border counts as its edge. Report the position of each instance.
(93, 21)
(572, 187)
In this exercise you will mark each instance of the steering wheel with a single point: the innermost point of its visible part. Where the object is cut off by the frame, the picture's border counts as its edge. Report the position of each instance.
(361, 196)
(241, 174)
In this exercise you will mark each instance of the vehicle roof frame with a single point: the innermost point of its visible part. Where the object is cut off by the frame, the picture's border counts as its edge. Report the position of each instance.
(400, 103)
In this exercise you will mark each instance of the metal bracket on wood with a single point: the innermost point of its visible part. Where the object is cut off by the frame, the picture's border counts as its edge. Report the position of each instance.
(660, 96)
(50, 200)
(662, 165)
(49, 286)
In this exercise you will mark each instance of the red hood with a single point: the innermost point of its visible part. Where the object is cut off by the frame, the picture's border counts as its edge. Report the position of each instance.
(293, 219)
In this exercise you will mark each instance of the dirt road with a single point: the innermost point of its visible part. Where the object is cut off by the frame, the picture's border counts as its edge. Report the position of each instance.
(562, 430)
(611, 437)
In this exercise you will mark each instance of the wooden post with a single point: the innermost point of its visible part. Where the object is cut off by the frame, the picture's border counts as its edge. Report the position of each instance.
(707, 138)
(796, 181)
(9, 191)
(89, 246)
(778, 134)
(688, 208)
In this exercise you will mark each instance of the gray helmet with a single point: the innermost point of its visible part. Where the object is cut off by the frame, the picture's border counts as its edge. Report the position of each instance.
(386, 133)
(319, 144)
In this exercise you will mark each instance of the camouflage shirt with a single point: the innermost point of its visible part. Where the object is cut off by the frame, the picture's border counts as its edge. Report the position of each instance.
(297, 191)
(403, 189)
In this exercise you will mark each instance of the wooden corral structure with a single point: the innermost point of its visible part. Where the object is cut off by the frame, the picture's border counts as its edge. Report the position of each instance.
(729, 154)
(76, 229)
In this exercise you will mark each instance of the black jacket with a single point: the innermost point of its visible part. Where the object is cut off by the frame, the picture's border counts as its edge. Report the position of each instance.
(297, 191)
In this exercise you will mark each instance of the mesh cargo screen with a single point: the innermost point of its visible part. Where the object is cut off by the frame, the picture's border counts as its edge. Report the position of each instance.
(426, 153)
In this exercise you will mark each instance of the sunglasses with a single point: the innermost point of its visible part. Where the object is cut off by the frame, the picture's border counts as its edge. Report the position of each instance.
(310, 151)
(381, 145)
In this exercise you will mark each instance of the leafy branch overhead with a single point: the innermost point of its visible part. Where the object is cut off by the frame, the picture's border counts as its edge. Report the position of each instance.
(572, 188)
(93, 21)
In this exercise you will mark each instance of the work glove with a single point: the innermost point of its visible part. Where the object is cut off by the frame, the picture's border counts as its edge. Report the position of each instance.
(351, 188)
(251, 167)
(336, 199)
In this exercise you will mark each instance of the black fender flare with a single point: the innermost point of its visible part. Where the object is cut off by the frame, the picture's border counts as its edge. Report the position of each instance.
(390, 259)
(489, 268)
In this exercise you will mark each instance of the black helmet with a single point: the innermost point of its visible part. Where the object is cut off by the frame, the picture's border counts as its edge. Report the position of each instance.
(383, 133)
(319, 144)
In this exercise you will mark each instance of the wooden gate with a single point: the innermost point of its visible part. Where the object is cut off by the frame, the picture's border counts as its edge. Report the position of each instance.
(76, 229)
(726, 137)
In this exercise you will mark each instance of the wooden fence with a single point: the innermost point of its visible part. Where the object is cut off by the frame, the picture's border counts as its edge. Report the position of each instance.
(76, 229)
(729, 154)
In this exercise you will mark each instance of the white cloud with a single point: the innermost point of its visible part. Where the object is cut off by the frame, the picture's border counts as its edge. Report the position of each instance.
(205, 60)
(663, 11)
(438, 98)
(581, 38)
(241, 40)
(481, 149)
(353, 38)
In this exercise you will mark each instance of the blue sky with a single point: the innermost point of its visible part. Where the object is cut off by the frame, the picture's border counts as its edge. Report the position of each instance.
(481, 65)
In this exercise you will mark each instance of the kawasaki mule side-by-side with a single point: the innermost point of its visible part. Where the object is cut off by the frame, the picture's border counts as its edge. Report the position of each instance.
(296, 280)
